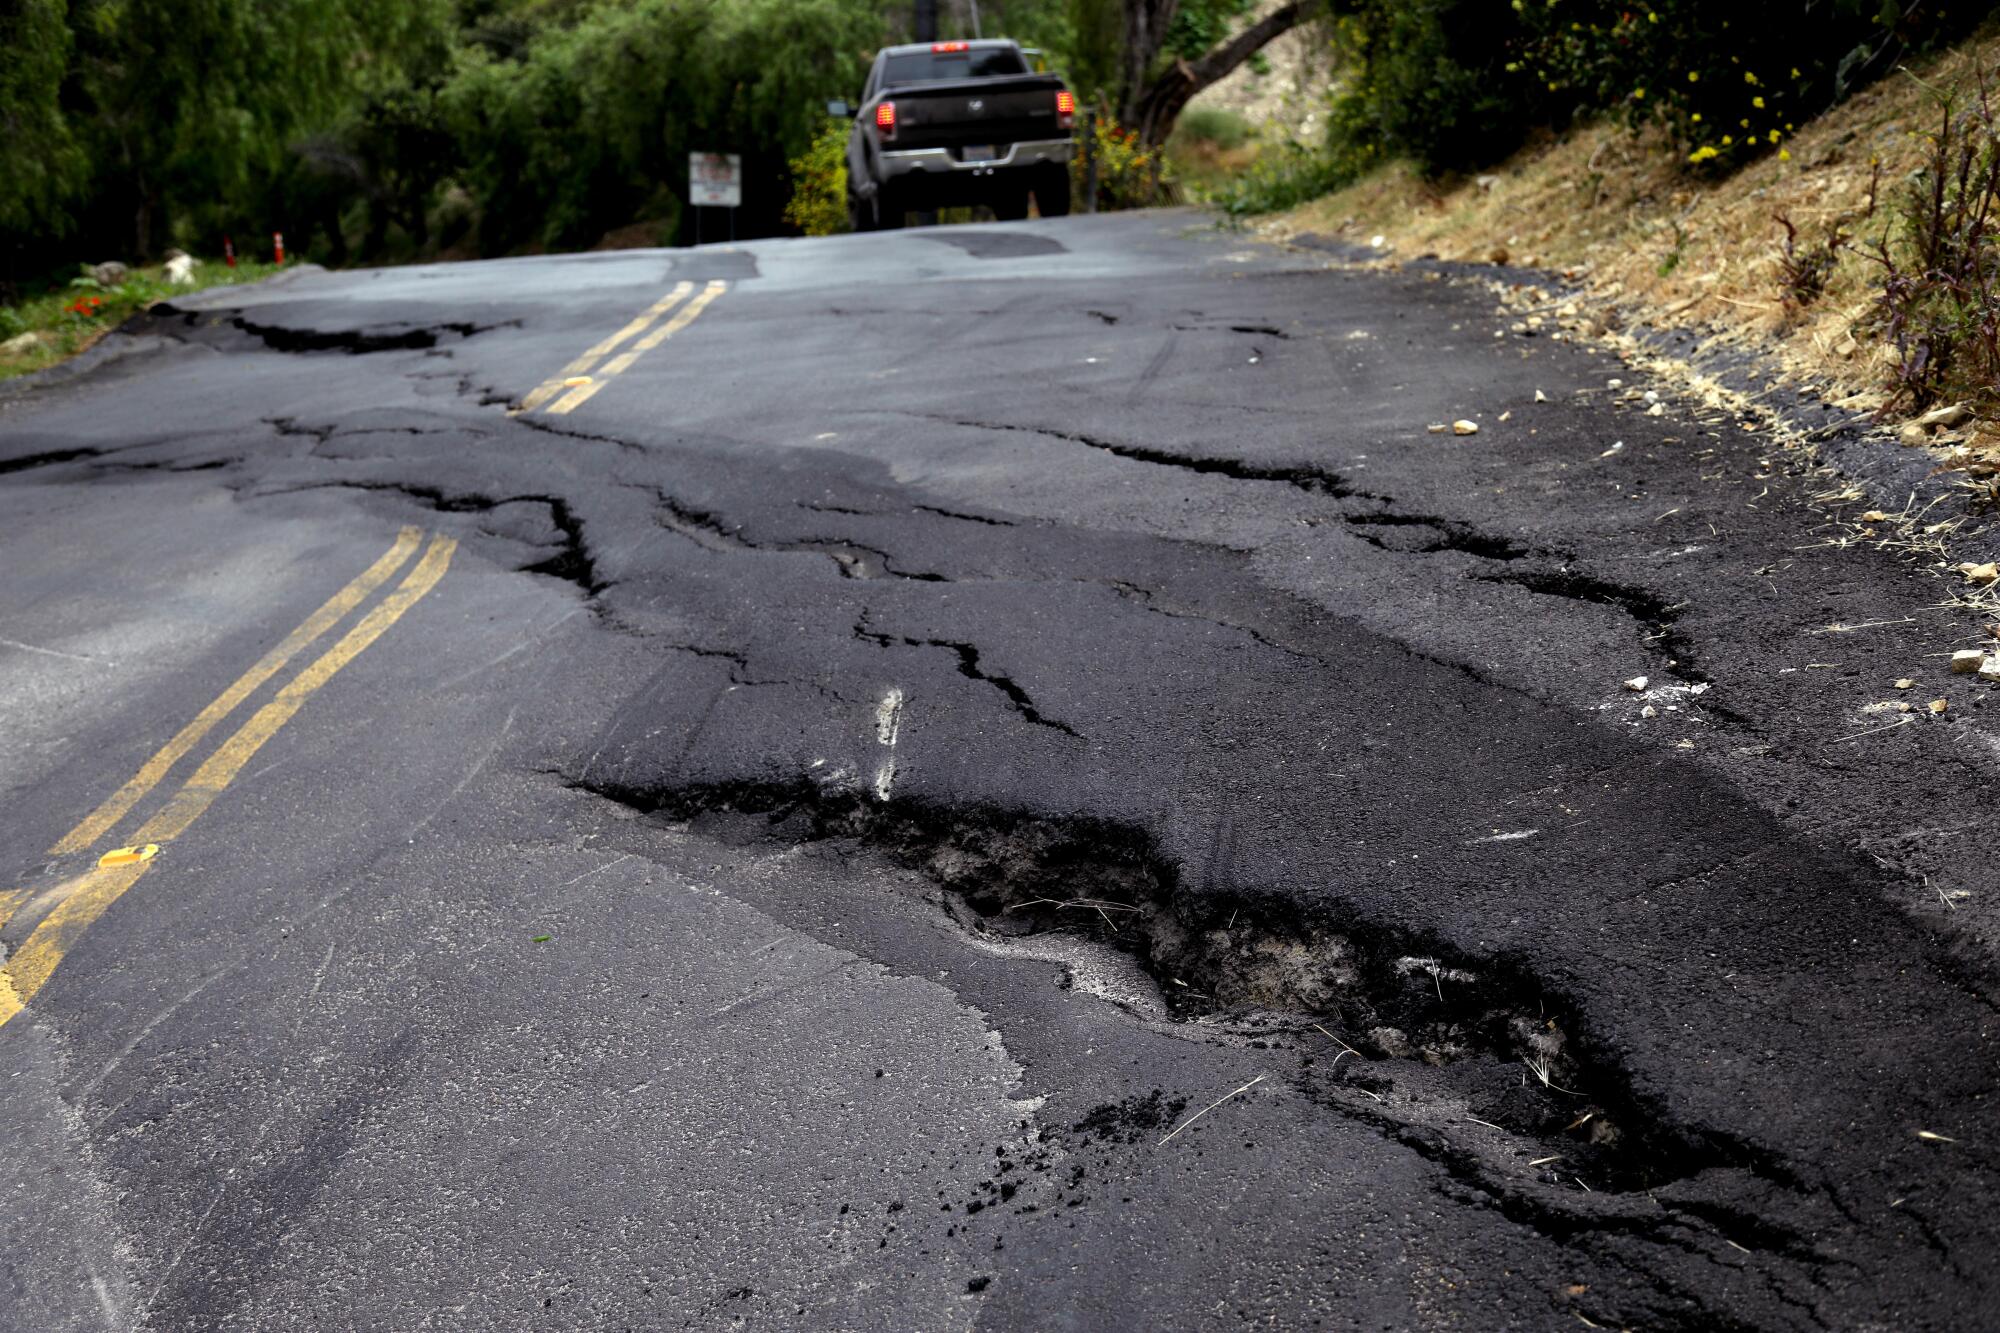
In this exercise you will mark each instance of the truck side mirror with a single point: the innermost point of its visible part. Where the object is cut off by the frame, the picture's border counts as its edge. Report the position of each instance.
(840, 109)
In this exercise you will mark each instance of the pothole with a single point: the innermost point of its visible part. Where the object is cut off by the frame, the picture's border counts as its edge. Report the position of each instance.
(1410, 1029)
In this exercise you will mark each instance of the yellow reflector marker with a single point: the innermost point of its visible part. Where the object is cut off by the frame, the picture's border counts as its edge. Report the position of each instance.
(125, 856)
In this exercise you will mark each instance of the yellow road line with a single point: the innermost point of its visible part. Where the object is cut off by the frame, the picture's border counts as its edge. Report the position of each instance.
(221, 768)
(100, 820)
(554, 385)
(617, 365)
(87, 897)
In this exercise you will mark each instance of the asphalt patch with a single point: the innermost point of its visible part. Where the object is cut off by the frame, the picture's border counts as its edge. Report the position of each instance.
(999, 244)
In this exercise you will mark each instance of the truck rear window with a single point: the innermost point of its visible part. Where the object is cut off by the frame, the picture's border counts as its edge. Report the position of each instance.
(945, 66)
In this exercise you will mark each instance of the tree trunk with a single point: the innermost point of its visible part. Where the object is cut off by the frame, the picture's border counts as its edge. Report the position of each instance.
(1155, 107)
(1146, 23)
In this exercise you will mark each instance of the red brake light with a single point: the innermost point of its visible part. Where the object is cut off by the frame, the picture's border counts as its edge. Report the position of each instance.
(885, 119)
(1065, 109)
(950, 46)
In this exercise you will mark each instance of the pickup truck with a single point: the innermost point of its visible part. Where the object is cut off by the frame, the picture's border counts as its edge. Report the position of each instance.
(948, 124)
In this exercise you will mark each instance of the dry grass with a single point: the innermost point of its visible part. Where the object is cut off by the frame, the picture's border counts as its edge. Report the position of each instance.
(1618, 213)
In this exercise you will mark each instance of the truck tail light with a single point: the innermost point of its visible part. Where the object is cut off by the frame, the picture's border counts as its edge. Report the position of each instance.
(885, 119)
(949, 46)
(1065, 109)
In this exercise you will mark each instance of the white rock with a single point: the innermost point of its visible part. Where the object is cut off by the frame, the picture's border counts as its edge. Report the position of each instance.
(180, 270)
(1657, 410)
(1990, 669)
(1614, 384)
(1649, 711)
(1913, 434)
(1967, 660)
(20, 343)
(1463, 427)
(1637, 684)
(1541, 397)
(1377, 242)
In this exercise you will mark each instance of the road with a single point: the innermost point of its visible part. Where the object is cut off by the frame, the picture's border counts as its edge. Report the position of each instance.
(999, 777)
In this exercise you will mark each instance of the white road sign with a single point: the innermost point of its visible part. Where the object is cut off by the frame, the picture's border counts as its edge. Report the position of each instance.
(715, 180)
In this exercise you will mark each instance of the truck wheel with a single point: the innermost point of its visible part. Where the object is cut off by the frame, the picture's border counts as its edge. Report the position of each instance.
(888, 211)
(1010, 205)
(1052, 193)
(860, 214)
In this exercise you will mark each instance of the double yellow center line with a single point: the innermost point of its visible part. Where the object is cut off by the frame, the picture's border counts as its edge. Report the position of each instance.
(69, 908)
(576, 382)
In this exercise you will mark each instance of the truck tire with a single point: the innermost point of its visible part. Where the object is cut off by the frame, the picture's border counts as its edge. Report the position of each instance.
(860, 214)
(1010, 204)
(888, 210)
(1052, 192)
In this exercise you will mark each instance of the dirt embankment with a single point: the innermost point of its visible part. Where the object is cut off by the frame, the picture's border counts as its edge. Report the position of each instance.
(1623, 216)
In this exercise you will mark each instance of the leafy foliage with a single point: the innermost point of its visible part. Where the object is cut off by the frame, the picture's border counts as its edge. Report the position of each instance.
(818, 206)
(1129, 174)
(1458, 83)
(1201, 24)
(133, 124)
(1214, 125)
(1282, 176)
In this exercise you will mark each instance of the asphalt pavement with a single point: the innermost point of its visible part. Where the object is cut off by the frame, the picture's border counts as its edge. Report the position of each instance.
(1002, 777)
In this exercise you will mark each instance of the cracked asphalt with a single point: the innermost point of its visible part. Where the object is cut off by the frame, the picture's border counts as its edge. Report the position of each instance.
(997, 778)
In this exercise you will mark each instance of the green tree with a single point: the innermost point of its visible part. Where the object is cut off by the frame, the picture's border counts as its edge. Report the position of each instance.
(590, 127)
(185, 108)
(39, 159)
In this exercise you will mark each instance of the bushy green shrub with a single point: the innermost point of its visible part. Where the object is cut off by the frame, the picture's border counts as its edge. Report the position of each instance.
(1282, 176)
(1429, 80)
(1455, 84)
(1129, 175)
(1223, 128)
(818, 206)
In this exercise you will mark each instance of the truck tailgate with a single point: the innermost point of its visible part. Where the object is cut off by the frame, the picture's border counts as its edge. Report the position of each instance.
(978, 111)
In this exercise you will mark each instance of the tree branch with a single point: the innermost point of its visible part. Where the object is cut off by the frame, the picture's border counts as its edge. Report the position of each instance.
(1218, 63)
(1157, 108)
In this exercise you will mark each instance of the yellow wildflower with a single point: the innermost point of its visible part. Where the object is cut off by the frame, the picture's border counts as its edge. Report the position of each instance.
(1757, 102)
(1693, 77)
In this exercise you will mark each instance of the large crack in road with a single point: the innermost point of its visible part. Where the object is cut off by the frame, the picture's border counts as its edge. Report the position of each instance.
(1314, 741)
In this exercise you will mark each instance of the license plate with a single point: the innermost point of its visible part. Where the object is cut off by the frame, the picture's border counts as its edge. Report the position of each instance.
(978, 153)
